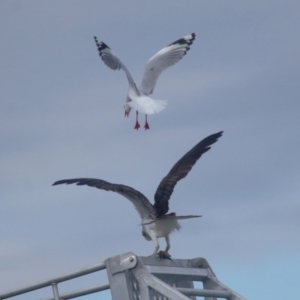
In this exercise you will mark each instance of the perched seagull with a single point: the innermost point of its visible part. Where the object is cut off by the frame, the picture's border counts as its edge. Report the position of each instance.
(156, 223)
(138, 98)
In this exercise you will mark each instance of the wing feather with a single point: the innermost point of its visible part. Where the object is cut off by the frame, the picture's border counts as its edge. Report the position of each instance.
(179, 171)
(163, 59)
(113, 62)
(173, 216)
(140, 202)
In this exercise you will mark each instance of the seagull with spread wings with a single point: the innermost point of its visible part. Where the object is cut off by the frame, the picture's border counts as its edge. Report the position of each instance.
(138, 98)
(156, 222)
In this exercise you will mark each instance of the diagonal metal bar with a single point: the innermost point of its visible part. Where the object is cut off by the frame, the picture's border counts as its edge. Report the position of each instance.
(205, 293)
(49, 282)
(82, 292)
(193, 274)
(162, 287)
(55, 291)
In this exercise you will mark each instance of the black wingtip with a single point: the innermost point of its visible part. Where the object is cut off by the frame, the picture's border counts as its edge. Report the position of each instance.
(57, 183)
(185, 41)
(100, 45)
(96, 40)
(214, 137)
(218, 134)
(64, 181)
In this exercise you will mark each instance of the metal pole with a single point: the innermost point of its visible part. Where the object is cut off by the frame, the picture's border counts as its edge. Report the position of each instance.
(82, 292)
(50, 281)
(55, 291)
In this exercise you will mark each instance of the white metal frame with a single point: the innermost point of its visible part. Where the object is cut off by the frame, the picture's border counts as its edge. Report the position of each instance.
(146, 278)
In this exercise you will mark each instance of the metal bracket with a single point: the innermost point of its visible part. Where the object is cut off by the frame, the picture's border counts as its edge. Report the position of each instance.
(121, 263)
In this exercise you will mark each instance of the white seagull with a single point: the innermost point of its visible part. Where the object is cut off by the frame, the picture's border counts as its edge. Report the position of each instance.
(156, 223)
(138, 98)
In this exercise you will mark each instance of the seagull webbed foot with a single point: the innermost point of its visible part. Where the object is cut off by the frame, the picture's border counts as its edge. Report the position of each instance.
(137, 125)
(146, 124)
(163, 255)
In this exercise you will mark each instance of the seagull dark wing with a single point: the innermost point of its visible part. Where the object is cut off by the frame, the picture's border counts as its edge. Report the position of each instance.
(112, 61)
(140, 202)
(179, 171)
(163, 59)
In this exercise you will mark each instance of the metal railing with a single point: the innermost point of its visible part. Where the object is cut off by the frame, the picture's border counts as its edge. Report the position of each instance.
(133, 277)
(55, 281)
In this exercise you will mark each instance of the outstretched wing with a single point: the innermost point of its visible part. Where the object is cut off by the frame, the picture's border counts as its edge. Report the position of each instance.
(163, 59)
(140, 202)
(179, 171)
(172, 216)
(112, 61)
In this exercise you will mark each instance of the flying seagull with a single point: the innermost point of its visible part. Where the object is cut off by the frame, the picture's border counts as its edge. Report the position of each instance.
(138, 98)
(156, 223)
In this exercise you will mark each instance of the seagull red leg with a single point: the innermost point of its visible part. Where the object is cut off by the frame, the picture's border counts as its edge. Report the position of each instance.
(146, 124)
(137, 125)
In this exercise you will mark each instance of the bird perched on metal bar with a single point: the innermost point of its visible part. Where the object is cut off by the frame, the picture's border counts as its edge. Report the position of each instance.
(156, 221)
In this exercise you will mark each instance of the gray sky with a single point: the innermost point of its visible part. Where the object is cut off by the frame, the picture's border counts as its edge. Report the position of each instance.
(62, 117)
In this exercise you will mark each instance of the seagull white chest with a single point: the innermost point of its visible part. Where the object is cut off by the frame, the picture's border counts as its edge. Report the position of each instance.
(161, 228)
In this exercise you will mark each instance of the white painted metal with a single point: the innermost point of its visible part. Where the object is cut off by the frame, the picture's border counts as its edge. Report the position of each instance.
(55, 291)
(145, 278)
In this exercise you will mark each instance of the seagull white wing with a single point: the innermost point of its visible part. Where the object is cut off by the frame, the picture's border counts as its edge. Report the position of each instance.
(113, 62)
(140, 202)
(163, 59)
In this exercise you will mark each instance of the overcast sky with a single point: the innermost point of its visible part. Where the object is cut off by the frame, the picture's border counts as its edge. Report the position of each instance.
(62, 117)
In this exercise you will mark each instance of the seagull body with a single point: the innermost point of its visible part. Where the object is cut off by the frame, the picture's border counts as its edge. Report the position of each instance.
(156, 223)
(138, 98)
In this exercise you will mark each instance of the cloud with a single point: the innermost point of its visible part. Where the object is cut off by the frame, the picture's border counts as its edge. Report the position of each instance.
(62, 117)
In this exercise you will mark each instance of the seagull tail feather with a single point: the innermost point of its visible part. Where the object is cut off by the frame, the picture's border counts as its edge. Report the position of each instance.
(147, 105)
